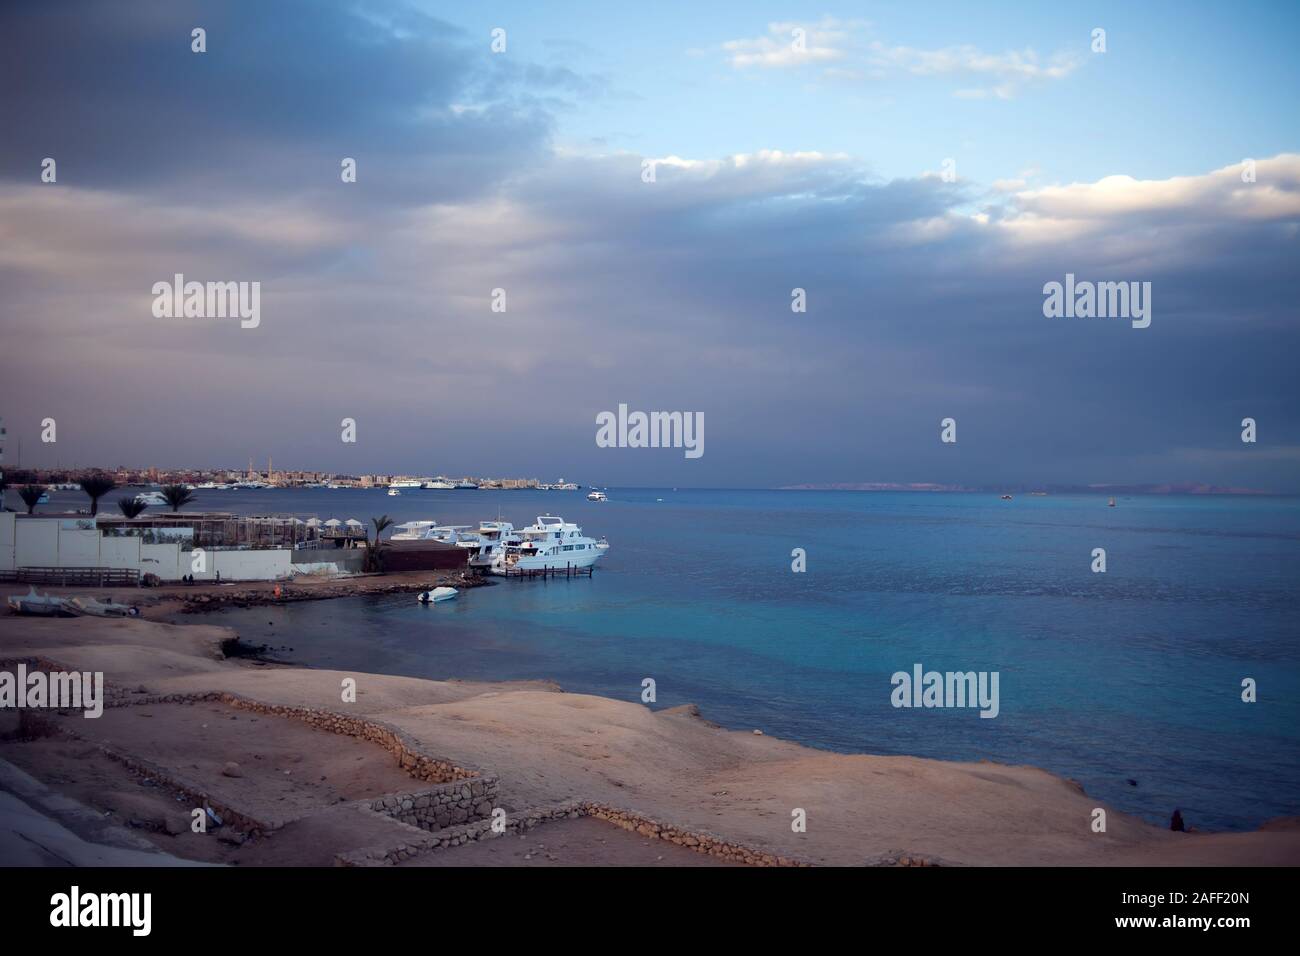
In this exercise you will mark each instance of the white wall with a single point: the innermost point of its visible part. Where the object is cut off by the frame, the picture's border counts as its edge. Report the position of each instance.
(43, 542)
(7, 522)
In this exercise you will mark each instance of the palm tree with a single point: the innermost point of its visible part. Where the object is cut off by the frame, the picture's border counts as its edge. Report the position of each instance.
(177, 495)
(373, 562)
(31, 494)
(131, 507)
(97, 486)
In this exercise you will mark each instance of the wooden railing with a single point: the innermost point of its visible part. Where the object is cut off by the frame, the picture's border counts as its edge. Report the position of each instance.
(94, 577)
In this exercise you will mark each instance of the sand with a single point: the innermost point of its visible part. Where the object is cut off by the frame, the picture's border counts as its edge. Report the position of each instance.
(547, 746)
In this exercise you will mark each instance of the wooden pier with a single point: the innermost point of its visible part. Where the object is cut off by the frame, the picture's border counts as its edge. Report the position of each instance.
(568, 571)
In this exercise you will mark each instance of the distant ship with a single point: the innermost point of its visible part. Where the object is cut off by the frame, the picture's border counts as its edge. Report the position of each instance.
(439, 484)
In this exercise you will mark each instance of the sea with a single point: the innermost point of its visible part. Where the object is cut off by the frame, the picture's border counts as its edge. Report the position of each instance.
(1129, 681)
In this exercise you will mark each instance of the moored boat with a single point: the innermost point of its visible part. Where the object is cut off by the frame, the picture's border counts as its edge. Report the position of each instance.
(550, 544)
(39, 605)
(436, 595)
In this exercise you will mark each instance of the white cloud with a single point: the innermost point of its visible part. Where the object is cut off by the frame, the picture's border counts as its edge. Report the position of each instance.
(832, 41)
(1219, 195)
(822, 42)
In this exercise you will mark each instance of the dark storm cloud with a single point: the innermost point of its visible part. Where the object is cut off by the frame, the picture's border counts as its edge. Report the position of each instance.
(284, 91)
(925, 298)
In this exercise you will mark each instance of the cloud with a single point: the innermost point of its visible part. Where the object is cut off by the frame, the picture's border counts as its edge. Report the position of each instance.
(794, 44)
(1222, 194)
(924, 296)
(837, 46)
(676, 294)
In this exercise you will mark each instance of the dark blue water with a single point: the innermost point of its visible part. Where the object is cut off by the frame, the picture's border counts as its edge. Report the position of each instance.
(1135, 673)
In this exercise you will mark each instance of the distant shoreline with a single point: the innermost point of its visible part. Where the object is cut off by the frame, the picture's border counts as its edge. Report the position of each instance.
(1189, 490)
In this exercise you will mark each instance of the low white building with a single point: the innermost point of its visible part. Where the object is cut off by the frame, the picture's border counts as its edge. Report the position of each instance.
(42, 543)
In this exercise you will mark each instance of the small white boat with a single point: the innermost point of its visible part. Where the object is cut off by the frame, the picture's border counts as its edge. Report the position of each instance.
(151, 498)
(97, 608)
(436, 595)
(1111, 503)
(393, 492)
(44, 499)
(598, 496)
(39, 605)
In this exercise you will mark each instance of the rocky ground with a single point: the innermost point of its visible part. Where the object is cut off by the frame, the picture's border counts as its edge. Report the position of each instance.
(547, 747)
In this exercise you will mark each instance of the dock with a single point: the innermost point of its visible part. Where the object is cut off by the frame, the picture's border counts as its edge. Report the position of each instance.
(568, 571)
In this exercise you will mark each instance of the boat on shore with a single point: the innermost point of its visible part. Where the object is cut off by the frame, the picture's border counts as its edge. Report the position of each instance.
(39, 605)
(96, 608)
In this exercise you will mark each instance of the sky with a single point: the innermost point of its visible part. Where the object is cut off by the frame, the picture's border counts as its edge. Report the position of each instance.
(920, 170)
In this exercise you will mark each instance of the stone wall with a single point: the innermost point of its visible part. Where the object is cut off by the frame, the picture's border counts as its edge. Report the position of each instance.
(194, 794)
(448, 804)
(397, 742)
(514, 823)
(456, 811)
(696, 840)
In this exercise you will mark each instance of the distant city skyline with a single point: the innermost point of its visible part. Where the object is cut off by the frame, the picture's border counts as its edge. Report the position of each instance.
(620, 207)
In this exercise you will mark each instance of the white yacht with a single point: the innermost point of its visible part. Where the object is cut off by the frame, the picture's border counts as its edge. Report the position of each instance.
(597, 496)
(393, 492)
(439, 484)
(412, 530)
(461, 535)
(550, 543)
(493, 538)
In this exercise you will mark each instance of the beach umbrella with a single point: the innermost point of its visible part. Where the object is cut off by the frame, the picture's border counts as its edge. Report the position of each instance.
(333, 523)
(313, 522)
(354, 523)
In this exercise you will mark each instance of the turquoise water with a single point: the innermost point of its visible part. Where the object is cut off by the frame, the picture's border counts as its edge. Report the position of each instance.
(1132, 674)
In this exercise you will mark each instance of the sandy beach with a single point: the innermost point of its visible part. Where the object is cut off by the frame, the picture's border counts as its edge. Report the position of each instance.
(567, 765)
